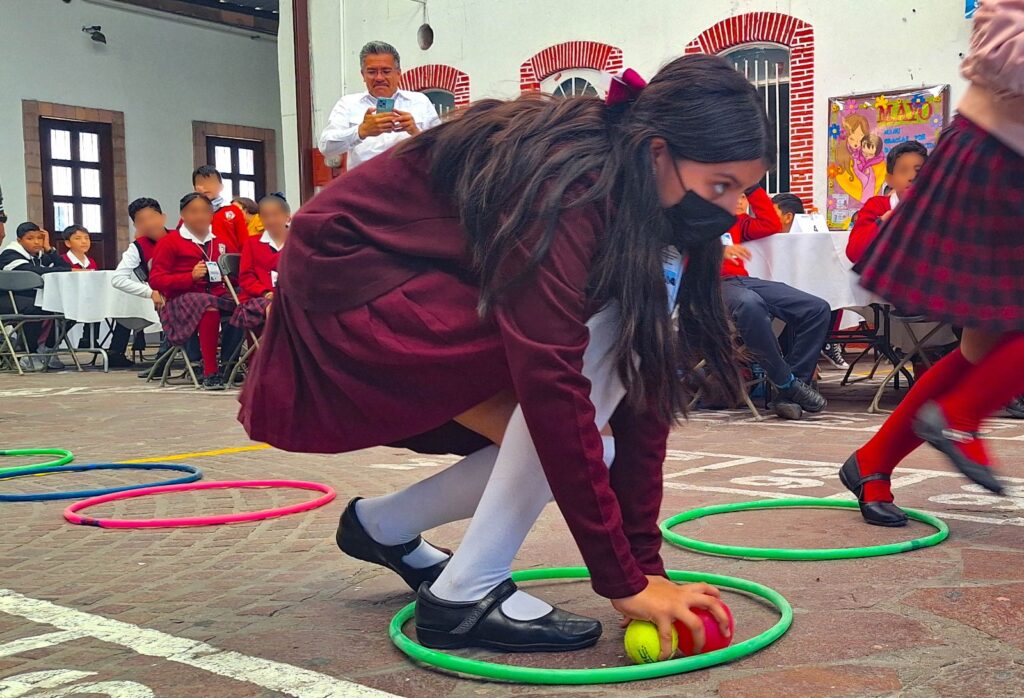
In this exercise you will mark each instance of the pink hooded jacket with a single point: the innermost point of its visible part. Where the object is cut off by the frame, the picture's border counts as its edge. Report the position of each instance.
(995, 67)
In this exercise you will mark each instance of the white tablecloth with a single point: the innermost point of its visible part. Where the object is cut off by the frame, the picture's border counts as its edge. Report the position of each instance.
(817, 263)
(812, 262)
(87, 296)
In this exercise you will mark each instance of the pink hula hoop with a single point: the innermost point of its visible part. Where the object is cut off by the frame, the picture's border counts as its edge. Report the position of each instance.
(71, 512)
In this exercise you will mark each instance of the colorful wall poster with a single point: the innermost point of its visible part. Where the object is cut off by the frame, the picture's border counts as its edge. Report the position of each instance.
(862, 129)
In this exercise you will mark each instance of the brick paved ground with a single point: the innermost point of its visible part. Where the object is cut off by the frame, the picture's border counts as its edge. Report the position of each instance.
(946, 621)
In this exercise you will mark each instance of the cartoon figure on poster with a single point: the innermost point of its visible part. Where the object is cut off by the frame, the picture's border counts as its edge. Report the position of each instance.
(863, 129)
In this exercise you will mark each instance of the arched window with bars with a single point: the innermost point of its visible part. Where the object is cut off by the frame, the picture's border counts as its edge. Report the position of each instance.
(767, 67)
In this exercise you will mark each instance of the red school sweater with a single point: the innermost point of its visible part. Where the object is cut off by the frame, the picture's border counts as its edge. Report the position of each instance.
(259, 259)
(173, 261)
(763, 223)
(865, 230)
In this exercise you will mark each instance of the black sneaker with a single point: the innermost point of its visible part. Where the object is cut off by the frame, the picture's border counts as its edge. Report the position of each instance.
(1016, 408)
(834, 353)
(213, 382)
(443, 624)
(809, 399)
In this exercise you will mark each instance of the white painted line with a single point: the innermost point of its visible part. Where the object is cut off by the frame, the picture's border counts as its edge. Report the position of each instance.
(1017, 521)
(275, 676)
(714, 466)
(27, 644)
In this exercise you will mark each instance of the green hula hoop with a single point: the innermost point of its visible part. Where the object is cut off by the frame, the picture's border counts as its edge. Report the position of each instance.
(533, 675)
(64, 457)
(699, 546)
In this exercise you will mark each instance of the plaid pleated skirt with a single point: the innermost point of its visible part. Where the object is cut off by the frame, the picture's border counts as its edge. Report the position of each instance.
(954, 248)
(251, 314)
(180, 316)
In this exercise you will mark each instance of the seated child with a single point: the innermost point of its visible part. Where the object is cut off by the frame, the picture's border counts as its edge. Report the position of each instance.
(228, 220)
(186, 274)
(78, 242)
(787, 206)
(251, 210)
(132, 273)
(754, 302)
(902, 164)
(32, 252)
(257, 275)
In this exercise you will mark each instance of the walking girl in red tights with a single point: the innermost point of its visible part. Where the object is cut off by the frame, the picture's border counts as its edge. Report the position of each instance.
(954, 251)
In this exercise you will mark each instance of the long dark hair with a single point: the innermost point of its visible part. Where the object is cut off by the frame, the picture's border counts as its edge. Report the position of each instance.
(515, 166)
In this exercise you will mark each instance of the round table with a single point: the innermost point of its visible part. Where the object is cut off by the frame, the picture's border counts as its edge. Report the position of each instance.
(88, 296)
(816, 263)
(812, 262)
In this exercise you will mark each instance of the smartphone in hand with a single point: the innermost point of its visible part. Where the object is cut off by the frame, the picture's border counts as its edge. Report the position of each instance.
(385, 105)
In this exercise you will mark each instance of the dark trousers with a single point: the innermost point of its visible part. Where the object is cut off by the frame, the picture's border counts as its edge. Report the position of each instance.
(754, 303)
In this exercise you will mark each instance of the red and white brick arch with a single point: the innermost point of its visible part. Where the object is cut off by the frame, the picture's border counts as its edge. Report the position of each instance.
(571, 54)
(437, 76)
(798, 36)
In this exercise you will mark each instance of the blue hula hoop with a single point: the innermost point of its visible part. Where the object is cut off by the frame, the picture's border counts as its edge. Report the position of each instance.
(193, 474)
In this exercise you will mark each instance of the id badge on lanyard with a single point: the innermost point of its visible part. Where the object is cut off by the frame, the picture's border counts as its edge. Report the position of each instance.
(672, 264)
(213, 274)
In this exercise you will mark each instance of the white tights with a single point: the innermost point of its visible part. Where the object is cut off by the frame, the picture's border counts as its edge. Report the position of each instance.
(503, 489)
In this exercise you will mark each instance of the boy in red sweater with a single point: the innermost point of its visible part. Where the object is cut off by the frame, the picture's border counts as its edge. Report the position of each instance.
(755, 302)
(257, 274)
(228, 219)
(901, 166)
(186, 273)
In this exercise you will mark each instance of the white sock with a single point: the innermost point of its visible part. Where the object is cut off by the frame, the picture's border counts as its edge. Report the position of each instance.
(517, 490)
(450, 495)
(425, 555)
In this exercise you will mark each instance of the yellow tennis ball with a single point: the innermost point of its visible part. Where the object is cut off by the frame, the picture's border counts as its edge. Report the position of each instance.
(643, 645)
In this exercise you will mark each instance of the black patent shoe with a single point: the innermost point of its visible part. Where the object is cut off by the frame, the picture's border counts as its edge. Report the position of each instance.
(446, 625)
(930, 424)
(875, 513)
(355, 542)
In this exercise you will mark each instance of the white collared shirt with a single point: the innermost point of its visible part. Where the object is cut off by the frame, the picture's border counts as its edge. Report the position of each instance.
(84, 263)
(189, 235)
(342, 132)
(124, 278)
(893, 201)
(265, 238)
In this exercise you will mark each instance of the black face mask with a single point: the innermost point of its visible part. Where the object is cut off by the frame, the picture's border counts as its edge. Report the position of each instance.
(695, 220)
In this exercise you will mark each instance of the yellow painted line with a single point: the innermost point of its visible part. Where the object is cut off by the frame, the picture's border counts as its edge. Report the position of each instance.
(200, 454)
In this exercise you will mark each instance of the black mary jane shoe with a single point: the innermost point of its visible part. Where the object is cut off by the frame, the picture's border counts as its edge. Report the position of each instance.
(875, 513)
(448, 625)
(355, 542)
(931, 425)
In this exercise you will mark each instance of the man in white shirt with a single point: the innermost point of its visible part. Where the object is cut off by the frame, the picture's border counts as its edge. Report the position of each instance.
(356, 128)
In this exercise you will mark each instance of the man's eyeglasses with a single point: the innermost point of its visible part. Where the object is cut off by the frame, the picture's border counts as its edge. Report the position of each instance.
(382, 72)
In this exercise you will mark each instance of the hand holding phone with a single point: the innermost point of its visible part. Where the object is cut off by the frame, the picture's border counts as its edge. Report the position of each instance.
(385, 105)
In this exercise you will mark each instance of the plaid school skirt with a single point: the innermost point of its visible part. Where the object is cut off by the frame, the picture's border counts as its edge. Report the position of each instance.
(180, 316)
(954, 248)
(251, 314)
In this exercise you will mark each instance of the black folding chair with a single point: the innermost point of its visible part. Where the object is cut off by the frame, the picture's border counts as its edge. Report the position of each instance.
(229, 266)
(14, 322)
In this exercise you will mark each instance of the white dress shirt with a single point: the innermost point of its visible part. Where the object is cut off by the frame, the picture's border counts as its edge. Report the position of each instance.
(342, 132)
(124, 278)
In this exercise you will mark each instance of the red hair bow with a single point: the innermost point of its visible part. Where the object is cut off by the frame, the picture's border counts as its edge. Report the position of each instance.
(625, 87)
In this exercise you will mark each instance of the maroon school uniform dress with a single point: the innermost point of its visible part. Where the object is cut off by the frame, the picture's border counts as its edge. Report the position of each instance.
(954, 249)
(175, 256)
(374, 339)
